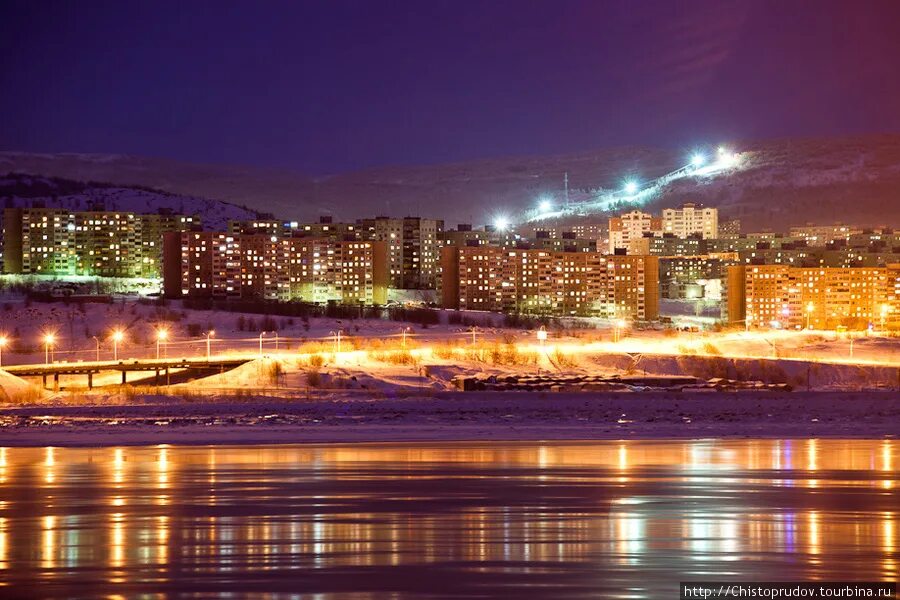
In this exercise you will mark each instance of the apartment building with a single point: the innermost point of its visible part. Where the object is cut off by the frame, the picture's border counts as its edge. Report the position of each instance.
(56, 241)
(320, 270)
(546, 282)
(691, 219)
(325, 227)
(687, 277)
(630, 226)
(827, 298)
(413, 246)
(819, 235)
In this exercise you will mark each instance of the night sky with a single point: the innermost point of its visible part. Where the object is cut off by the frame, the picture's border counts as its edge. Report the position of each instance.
(331, 86)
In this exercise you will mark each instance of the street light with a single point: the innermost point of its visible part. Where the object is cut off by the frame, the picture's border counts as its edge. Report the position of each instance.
(262, 333)
(809, 309)
(620, 324)
(542, 335)
(631, 187)
(117, 336)
(885, 309)
(209, 335)
(474, 331)
(49, 340)
(162, 335)
(97, 342)
(3, 341)
(404, 331)
(337, 340)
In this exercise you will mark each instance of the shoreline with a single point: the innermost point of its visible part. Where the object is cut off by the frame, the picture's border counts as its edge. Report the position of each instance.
(456, 417)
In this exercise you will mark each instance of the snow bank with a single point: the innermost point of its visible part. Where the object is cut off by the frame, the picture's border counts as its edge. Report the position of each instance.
(17, 391)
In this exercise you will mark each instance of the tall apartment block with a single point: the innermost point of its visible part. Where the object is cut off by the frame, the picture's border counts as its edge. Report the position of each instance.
(413, 245)
(320, 270)
(325, 227)
(819, 235)
(55, 241)
(553, 283)
(691, 219)
(824, 298)
(632, 226)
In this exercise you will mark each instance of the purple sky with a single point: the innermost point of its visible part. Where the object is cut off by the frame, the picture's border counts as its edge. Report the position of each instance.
(335, 85)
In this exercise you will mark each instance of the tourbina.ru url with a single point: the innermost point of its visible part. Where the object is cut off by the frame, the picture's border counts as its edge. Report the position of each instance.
(784, 589)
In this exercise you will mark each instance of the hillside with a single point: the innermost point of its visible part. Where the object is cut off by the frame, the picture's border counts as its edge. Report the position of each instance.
(780, 183)
(18, 190)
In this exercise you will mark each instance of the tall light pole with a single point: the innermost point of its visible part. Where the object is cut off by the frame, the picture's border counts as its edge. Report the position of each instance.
(261, 335)
(161, 336)
(117, 336)
(620, 324)
(809, 309)
(474, 333)
(885, 309)
(337, 340)
(209, 335)
(97, 342)
(3, 341)
(542, 335)
(404, 331)
(49, 339)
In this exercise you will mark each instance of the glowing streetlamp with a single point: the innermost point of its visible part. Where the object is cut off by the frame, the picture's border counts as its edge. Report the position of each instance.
(501, 223)
(698, 160)
(631, 187)
(97, 342)
(261, 335)
(209, 335)
(3, 341)
(49, 340)
(404, 331)
(885, 309)
(162, 335)
(474, 331)
(545, 206)
(810, 307)
(620, 325)
(542, 335)
(336, 337)
(117, 336)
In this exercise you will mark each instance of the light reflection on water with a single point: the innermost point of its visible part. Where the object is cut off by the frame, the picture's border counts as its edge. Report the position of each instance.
(605, 519)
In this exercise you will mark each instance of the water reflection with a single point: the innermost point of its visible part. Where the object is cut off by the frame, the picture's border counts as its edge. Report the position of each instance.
(617, 519)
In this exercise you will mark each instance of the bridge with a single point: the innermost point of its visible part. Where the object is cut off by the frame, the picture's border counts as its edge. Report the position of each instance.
(161, 367)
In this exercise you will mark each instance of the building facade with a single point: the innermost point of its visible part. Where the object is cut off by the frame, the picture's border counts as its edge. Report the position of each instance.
(551, 283)
(414, 246)
(781, 296)
(691, 219)
(53, 241)
(263, 267)
(630, 226)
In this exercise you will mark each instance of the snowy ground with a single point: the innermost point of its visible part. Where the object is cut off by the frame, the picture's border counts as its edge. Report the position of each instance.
(377, 388)
(348, 417)
(75, 327)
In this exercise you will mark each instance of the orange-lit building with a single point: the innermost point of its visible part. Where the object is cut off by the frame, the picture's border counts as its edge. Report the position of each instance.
(554, 283)
(819, 298)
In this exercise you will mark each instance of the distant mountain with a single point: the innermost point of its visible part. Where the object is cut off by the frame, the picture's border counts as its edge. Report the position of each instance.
(781, 182)
(21, 190)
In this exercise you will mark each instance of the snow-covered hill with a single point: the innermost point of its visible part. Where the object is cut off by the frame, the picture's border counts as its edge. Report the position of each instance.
(19, 190)
(781, 183)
